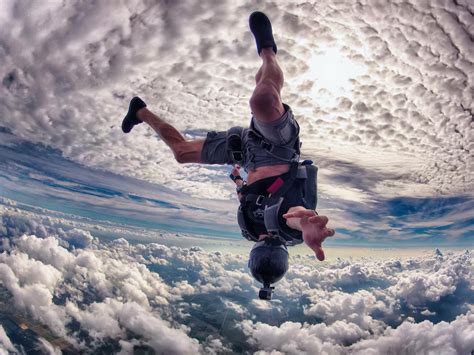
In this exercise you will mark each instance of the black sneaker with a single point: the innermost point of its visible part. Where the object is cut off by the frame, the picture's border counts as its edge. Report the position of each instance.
(262, 30)
(131, 119)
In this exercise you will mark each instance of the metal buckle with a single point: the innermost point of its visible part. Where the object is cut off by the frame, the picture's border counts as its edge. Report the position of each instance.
(258, 202)
(237, 156)
(266, 145)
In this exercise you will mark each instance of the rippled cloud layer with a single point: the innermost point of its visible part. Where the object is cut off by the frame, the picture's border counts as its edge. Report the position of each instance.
(383, 92)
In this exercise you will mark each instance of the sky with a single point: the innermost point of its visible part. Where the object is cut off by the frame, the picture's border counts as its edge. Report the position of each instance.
(382, 90)
(100, 227)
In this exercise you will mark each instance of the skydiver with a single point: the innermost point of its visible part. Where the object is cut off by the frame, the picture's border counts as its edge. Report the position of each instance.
(278, 200)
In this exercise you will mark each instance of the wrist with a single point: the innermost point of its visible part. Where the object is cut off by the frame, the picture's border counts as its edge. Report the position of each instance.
(234, 178)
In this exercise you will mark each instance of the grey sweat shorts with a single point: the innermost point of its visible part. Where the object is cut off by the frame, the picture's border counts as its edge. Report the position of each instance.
(281, 132)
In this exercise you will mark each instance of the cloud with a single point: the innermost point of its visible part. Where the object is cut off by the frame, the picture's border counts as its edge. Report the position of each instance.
(5, 342)
(40, 176)
(447, 338)
(138, 290)
(354, 308)
(397, 126)
(290, 338)
(411, 103)
(47, 347)
(189, 300)
(293, 338)
(86, 275)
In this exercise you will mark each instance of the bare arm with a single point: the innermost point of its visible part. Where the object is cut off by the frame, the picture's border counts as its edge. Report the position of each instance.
(313, 227)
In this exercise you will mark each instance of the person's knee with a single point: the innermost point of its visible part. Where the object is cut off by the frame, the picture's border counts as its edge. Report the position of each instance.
(180, 157)
(266, 103)
(181, 152)
(188, 152)
(260, 102)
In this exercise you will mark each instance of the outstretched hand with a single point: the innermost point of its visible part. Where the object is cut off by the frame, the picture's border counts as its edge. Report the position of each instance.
(313, 228)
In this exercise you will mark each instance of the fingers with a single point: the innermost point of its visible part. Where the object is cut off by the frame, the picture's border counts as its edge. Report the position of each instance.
(320, 253)
(329, 232)
(321, 220)
(299, 214)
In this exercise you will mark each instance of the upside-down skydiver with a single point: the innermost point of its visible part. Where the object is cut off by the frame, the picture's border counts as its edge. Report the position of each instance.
(278, 200)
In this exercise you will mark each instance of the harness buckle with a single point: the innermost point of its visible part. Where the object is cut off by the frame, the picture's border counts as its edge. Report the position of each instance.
(266, 145)
(237, 156)
(295, 159)
(259, 200)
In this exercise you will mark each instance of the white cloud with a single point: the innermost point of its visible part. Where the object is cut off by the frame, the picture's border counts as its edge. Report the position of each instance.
(295, 338)
(188, 300)
(5, 342)
(354, 308)
(425, 337)
(158, 332)
(412, 101)
(48, 348)
(419, 287)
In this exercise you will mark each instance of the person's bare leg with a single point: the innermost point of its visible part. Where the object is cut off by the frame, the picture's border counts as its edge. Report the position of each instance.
(183, 150)
(265, 102)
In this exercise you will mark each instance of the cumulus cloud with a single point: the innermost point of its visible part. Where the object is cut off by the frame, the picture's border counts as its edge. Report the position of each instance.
(293, 338)
(188, 300)
(36, 270)
(415, 287)
(425, 337)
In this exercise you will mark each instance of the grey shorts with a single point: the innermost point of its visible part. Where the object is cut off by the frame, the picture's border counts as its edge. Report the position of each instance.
(281, 132)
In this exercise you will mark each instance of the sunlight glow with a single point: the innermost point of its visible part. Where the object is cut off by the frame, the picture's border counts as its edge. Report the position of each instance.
(331, 72)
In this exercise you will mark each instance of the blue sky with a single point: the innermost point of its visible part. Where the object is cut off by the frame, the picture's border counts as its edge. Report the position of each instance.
(38, 175)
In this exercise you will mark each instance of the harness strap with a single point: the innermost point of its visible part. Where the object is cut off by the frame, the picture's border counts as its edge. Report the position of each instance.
(270, 205)
(278, 188)
(270, 218)
(276, 185)
(234, 144)
(283, 153)
(289, 155)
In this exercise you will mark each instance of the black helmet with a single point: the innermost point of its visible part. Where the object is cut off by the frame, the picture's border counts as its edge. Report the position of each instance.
(268, 263)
